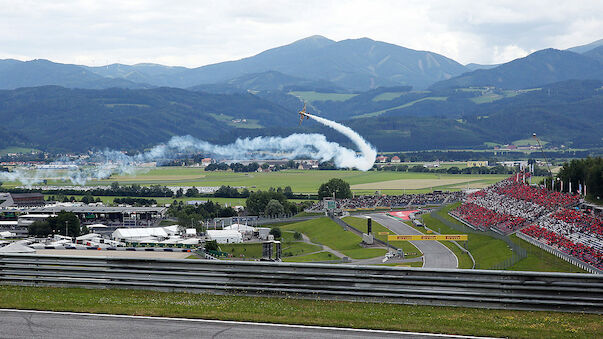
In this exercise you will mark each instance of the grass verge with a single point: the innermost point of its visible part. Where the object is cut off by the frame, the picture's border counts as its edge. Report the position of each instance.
(541, 261)
(451, 320)
(326, 232)
(360, 223)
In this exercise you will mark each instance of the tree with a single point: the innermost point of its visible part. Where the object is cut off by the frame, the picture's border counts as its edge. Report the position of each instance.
(257, 201)
(192, 192)
(39, 228)
(340, 188)
(64, 221)
(211, 245)
(288, 192)
(276, 232)
(274, 208)
(297, 236)
(68, 219)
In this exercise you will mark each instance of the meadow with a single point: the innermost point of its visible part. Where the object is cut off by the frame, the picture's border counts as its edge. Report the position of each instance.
(304, 181)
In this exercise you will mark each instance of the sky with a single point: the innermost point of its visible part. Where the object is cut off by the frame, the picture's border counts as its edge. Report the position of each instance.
(196, 33)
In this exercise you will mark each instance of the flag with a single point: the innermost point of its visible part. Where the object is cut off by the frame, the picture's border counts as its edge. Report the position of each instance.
(580, 188)
(570, 186)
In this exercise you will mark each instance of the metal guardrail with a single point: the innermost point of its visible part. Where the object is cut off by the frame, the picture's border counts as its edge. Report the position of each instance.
(472, 288)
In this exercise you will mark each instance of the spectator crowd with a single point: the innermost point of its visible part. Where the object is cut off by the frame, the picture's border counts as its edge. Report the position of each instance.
(394, 201)
(548, 216)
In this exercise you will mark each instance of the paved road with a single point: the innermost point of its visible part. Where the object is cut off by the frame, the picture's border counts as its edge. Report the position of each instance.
(39, 324)
(435, 254)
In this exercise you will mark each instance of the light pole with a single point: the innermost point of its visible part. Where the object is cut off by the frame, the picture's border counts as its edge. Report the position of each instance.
(544, 156)
(66, 222)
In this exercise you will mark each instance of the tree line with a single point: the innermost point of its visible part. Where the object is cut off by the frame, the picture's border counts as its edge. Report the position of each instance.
(588, 171)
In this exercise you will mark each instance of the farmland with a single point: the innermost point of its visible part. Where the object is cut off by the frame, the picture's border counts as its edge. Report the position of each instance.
(302, 181)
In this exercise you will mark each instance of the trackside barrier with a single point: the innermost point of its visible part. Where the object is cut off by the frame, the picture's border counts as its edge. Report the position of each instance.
(556, 252)
(404, 285)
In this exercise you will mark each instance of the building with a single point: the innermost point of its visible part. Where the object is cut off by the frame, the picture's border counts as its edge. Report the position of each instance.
(139, 234)
(382, 158)
(27, 199)
(225, 236)
(111, 216)
(435, 164)
(477, 163)
(206, 161)
(395, 159)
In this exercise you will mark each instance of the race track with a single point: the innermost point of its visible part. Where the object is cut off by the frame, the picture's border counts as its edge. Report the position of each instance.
(435, 254)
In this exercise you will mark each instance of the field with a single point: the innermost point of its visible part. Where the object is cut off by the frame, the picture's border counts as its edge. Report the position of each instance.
(326, 232)
(408, 104)
(300, 181)
(453, 320)
(16, 149)
(318, 96)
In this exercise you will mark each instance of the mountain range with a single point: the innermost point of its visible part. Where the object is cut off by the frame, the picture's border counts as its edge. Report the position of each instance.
(398, 98)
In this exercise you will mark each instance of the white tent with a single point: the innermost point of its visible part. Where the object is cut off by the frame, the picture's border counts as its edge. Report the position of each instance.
(191, 232)
(190, 241)
(96, 226)
(171, 230)
(16, 248)
(225, 236)
(137, 234)
(88, 236)
(239, 228)
(6, 234)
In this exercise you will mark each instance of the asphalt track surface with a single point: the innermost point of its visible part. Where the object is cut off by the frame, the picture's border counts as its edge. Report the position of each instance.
(435, 254)
(42, 324)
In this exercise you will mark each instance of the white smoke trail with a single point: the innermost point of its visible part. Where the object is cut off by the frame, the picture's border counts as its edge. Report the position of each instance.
(295, 146)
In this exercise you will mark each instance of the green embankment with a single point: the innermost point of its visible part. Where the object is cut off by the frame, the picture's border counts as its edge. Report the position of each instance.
(319, 256)
(326, 232)
(289, 248)
(360, 223)
(451, 320)
(541, 261)
(488, 251)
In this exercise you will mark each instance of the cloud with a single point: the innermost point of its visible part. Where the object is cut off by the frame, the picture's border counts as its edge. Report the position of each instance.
(195, 33)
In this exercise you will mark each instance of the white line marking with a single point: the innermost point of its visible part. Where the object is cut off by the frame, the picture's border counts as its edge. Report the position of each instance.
(230, 322)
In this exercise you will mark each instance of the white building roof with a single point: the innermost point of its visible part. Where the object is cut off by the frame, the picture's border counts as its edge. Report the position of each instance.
(97, 226)
(216, 234)
(16, 248)
(125, 233)
(239, 228)
(7, 234)
(171, 230)
(191, 231)
(88, 236)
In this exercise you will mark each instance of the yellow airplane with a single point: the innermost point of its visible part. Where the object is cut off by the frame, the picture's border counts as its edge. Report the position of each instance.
(303, 114)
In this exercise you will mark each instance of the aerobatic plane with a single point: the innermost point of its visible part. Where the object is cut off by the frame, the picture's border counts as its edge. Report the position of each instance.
(303, 114)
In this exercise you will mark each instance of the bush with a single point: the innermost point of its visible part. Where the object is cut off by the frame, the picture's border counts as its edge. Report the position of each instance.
(276, 232)
(297, 236)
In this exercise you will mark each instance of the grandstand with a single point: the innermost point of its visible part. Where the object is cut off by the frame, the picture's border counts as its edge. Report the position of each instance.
(393, 201)
(549, 217)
